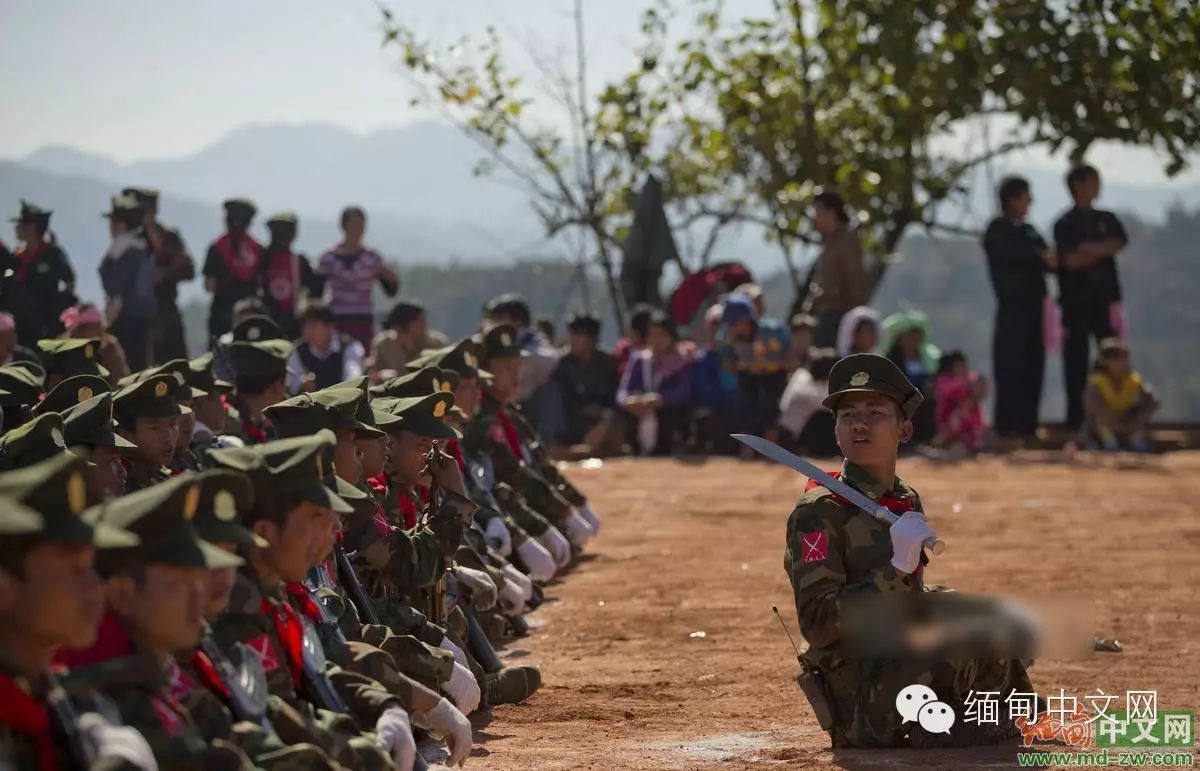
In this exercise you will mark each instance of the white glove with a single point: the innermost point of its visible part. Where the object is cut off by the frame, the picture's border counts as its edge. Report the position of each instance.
(393, 734)
(586, 511)
(908, 534)
(462, 688)
(512, 575)
(449, 725)
(579, 532)
(512, 599)
(113, 741)
(449, 645)
(483, 589)
(557, 545)
(537, 559)
(497, 536)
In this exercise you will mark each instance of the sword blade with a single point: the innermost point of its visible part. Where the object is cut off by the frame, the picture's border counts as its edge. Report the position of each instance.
(834, 485)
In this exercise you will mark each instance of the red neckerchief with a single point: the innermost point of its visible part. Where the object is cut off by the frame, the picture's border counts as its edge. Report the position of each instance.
(256, 434)
(291, 635)
(242, 263)
(408, 509)
(112, 642)
(893, 504)
(208, 673)
(24, 714)
(281, 281)
(510, 433)
(26, 257)
(456, 453)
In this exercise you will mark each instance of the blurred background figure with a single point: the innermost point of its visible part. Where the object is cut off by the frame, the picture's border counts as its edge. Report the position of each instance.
(840, 279)
(587, 381)
(36, 279)
(656, 388)
(127, 273)
(350, 270)
(172, 267)
(287, 276)
(1118, 402)
(958, 410)
(231, 271)
(406, 333)
(323, 356)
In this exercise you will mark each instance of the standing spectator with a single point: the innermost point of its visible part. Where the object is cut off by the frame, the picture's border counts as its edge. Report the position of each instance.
(231, 266)
(656, 388)
(407, 333)
(758, 353)
(587, 380)
(858, 331)
(911, 351)
(1017, 258)
(1087, 241)
(10, 349)
(323, 356)
(285, 273)
(546, 327)
(840, 281)
(960, 391)
(85, 322)
(1118, 402)
(41, 282)
(350, 269)
(173, 265)
(127, 273)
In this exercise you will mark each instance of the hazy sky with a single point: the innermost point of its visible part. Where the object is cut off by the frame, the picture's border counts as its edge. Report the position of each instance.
(138, 79)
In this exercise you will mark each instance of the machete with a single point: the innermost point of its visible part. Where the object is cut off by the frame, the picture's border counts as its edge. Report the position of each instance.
(796, 463)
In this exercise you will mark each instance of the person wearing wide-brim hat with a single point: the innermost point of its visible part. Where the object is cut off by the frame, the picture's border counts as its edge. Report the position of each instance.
(232, 265)
(127, 272)
(49, 597)
(42, 282)
(147, 414)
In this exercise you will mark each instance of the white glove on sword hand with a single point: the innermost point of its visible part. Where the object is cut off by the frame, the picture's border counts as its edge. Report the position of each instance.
(909, 534)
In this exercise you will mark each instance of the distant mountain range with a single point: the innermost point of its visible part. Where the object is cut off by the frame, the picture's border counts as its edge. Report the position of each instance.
(416, 182)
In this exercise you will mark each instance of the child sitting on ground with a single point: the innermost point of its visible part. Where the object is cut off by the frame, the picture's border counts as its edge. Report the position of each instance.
(960, 391)
(1118, 402)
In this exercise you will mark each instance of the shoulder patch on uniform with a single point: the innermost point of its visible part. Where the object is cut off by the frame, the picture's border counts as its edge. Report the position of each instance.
(814, 547)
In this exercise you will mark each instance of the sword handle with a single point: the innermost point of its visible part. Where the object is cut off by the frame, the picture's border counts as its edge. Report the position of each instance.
(934, 546)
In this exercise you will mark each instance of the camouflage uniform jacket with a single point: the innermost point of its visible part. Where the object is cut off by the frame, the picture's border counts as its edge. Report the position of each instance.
(141, 474)
(835, 550)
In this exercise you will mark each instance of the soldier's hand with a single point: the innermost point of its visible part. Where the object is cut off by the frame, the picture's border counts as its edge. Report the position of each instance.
(578, 531)
(483, 590)
(451, 726)
(463, 689)
(909, 534)
(497, 536)
(445, 472)
(393, 734)
(114, 741)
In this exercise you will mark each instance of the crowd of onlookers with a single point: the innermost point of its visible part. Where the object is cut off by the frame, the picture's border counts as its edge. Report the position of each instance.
(738, 368)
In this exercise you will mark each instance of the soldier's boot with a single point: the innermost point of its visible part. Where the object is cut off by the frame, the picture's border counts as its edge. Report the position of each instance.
(495, 627)
(512, 685)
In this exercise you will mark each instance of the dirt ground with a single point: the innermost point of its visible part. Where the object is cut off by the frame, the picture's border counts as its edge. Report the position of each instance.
(697, 547)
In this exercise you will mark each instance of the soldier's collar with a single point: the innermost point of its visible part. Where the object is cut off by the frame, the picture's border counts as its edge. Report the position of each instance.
(866, 483)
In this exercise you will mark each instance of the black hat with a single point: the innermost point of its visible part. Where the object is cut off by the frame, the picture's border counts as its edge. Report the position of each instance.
(154, 397)
(32, 213)
(20, 385)
(32, 442)
(124, 208)
(143, 195)
(204, 377)
(242, 208)
(499, 342)
(423, 382)
(56, 492)
(461, 357)
(91, 423)
(161, 516)
(70, 392)
(584, 322)
(225, 496)
(301, 466)
(269, 357)
(422, 415)
(871, 373)
(71, 356)
(256, 329)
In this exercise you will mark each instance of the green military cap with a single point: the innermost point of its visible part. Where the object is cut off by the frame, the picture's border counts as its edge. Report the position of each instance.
(55, 490)
(256, 328)
(269, 357)
(359, 382)
(461, 357)
(18, 519)
(143, 195)
(329, 409)
(284, 219)
(871, 373)
(225, 495)
(204, 376)
(499, 342)
(365, 412)
(71, 356)
(91, 423)
(301, 466)
(351, 409)
(32, 213)
(420, 383)
(20, 385)
(70, 392)
(240, 207)
(162, 517)
(34, 441)
(423, 415)
(183, 391)
(154, 397)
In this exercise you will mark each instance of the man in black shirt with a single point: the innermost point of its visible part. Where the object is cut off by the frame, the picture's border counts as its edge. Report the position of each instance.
(231, 267)
(1087, 241)
(1017, 258)
(587, 379)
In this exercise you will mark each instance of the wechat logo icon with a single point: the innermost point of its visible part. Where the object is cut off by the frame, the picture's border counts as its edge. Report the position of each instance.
(918, 703)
